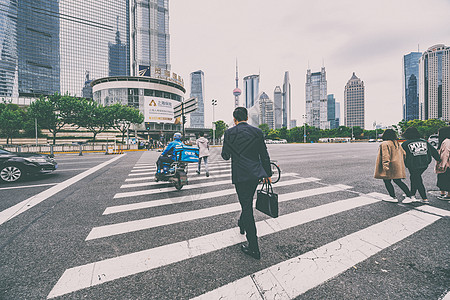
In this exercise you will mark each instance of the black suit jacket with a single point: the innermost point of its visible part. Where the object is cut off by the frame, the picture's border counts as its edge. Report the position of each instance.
(244, 144)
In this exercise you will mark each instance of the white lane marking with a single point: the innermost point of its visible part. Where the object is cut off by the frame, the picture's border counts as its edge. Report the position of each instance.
(191, 169)
(150, 172)
(80, 277)
(23, 206)
(195, 165)
(170, 190)
(27, 186)
(152, 182)
(211, 175)
(293, 277)
(446, 297)
(126, 227)
(191, 198)
(62, 169)
(80, 162)
(434, 210)
(59, 158)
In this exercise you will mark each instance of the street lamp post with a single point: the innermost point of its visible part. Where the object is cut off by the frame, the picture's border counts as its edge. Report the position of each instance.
(352, 134)
(304, 128)
(214, 103)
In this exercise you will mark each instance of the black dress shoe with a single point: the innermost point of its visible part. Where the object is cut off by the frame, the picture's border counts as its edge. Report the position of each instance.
(252, 253)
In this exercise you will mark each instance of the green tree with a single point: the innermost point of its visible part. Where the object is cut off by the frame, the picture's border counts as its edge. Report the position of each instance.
(95, 118)
(221, 126)
(273, 134)
(55, 111)
(123, 116)
(10, 122)
(265, 129)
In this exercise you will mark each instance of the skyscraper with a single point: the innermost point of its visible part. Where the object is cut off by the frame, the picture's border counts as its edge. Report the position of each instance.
(434, 82)
(197, 118)
(150, 36)
(266, 115)
(411, 86)
(8, 49)
(251, 89)
(278, 107)
(354, 102)
(316, 99)
(337, 114)
(237, 90)
(118, 63)
(286, 101)
(331, 111)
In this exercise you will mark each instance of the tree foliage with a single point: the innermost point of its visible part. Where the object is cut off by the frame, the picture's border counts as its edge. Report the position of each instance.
(123, 116)
(221, 126)
(11, 120)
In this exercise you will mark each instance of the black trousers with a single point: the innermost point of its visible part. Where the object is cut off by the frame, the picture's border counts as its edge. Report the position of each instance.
(400, 183)
(163, 159)
(245, 191)
(415, 176)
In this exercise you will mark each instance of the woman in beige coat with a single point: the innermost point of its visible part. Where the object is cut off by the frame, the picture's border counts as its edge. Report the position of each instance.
(390, 165)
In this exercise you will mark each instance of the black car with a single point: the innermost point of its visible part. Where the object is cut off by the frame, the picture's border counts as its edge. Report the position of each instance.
(13, 166)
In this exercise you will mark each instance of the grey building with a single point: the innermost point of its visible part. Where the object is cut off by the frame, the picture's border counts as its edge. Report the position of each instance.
(337, 114)
(331, 111)
(118, 58)
(316, 99)
(411, 86)
(354, 110)
(251, 90)
(278, 107)
(266, 111)
(197, 118)
(286, 101)
(434, 82)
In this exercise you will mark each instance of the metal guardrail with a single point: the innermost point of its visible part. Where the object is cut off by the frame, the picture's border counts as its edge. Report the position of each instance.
(62, 148)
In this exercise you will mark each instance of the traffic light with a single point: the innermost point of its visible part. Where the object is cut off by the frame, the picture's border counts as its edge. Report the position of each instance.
(184, 119)
(147, 125)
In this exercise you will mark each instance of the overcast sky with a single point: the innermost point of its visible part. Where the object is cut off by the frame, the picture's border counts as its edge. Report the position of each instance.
(271, 37)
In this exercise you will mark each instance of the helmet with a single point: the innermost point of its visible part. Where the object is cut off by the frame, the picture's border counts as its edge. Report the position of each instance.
(177, 136)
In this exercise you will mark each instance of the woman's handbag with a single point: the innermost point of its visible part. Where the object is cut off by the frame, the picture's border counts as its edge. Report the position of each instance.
(267, 200)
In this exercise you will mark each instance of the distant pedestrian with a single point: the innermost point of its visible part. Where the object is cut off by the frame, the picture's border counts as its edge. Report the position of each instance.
(443, 167)
(418, 157)
(390, 165)
(250, 162)
(203, 146)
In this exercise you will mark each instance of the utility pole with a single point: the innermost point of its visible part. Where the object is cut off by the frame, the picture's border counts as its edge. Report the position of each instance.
(214, 103)
(304, 128)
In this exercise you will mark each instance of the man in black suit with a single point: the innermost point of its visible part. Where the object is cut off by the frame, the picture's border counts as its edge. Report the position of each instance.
(250, 162)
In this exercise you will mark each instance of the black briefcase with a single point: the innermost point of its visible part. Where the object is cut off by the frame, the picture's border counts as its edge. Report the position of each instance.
(267, 200)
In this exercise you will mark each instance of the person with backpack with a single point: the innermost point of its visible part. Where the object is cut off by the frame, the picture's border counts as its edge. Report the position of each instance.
(418, 156)
(443, 167)
(390, 165)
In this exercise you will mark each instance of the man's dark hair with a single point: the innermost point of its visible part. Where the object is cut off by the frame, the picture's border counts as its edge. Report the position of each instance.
(240, 114)
(443, 133)
(411, 133)
(389, 135)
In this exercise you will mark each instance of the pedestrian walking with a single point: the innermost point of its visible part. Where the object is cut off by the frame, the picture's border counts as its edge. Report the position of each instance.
(250, 162)
(443, 167)
(419, 154)
(203, 152)
(390, 165)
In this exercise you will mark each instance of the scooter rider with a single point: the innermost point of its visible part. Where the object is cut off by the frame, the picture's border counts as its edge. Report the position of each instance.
(166, 156)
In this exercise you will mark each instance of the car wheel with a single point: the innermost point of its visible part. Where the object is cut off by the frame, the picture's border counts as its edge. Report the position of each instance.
(10, 173)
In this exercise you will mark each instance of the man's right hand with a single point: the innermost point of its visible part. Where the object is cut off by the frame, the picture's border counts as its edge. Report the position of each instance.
(267, 179)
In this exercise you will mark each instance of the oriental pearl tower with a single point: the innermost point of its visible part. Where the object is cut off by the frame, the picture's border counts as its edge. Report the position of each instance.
(237, 91)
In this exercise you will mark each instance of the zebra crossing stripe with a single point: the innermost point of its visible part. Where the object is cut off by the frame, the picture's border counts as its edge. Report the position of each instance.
(293, 277)
(126, 227)
(212, 177)
(152, 172)
(99, 272)
(191, 198)
(191, 169)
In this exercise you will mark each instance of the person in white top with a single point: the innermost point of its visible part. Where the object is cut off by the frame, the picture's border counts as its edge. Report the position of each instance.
(203, 146)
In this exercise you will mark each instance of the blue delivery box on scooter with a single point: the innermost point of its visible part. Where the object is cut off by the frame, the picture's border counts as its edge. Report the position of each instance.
(187, 154)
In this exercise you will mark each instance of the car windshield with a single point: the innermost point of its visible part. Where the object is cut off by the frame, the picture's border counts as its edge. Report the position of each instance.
(3, 151)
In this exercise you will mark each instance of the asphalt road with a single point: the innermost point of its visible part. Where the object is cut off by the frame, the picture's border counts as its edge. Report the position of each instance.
(113, 234)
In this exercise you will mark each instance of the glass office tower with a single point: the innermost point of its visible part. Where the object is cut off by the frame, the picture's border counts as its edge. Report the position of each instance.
(411, 86)
(316, 99)
(286, 101)
(251, 90)
(354, 111)
(150, 37)
(278, 107)
(197, 118)
(8, 48)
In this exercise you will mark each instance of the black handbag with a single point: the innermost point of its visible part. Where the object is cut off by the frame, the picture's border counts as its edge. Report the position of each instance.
(267, 200)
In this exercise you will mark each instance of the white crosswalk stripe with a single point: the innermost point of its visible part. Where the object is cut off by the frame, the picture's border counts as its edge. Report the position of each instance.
(153, 169)
(284, 280)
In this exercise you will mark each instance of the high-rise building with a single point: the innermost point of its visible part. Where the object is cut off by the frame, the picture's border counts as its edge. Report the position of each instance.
(251, 90)
(266, 115)
(286, 101)
(87, 89)
(8, 49)
(337, 114)
(278, 107)
(434, 82)
(237, 91)
(331, 111)
(411, 86)
(149, 37)
(197, 118)
(316, 99)
(118, 60)
(354, 102)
